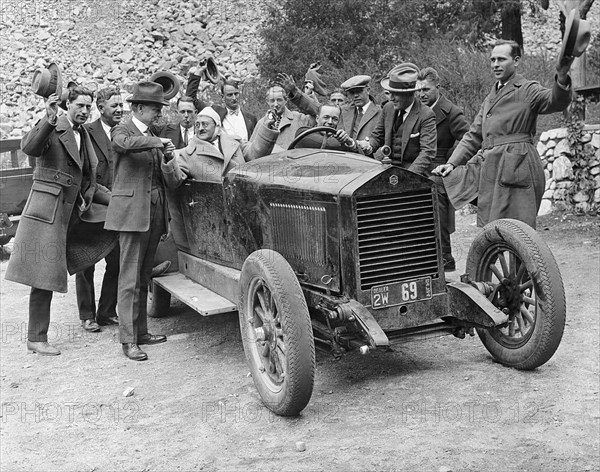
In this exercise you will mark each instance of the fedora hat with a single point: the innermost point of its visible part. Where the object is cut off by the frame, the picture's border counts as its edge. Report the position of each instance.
(148, 92)
(577, 36)
(169, 82)
(47, 81)
(402, 78)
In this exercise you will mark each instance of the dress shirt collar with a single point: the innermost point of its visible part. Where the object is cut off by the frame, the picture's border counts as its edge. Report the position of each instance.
(106, 128)
(407, 110)
(139, 125)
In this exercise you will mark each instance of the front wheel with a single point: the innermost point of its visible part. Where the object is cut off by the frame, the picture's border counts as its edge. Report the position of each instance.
(276, 332)
(523, 280)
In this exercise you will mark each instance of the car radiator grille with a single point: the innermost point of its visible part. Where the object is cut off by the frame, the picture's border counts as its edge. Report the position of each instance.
(300, 232)
(396, 237)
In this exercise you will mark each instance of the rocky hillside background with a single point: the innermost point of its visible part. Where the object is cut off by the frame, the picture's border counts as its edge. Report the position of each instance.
(112, 42)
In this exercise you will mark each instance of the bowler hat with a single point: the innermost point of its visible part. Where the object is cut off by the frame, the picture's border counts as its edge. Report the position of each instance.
(577, 36)
(47, 81)
(148, 92)
(402, 78)
(356, 82)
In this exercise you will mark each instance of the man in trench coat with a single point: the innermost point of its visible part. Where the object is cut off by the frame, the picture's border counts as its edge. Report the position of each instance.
(64, 186)
(496, 160)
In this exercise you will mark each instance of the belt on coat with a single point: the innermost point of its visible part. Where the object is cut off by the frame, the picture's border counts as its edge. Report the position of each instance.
(491, 142)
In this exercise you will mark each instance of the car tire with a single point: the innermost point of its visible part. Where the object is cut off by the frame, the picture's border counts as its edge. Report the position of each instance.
(511, 256)
(276, 332)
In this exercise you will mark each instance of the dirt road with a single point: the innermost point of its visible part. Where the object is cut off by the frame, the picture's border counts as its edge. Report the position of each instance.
(434, 405)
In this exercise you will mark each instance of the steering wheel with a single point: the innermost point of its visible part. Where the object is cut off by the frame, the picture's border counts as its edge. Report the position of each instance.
(317, 129)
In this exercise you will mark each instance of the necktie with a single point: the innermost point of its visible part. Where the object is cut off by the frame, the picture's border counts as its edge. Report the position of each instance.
(358, 114)
(185, 137)
(399, 120)
(499, 87)
(76, 127)
(234, 112)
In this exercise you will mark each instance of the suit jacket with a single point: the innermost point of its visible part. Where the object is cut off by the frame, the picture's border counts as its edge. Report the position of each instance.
(451, 125)
(368, 122)
(508, 177)
(418, 137)
(173, 132)
(289, 124)
(104, 152)
(192, 91)
(200, 160)
(130, 202)
(40, 256)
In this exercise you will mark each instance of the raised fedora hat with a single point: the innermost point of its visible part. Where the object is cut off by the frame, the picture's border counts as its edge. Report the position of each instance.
(356, 82)
(169, 82)
(577, 36)
(47, 81)
(148, 92)
(402, 78)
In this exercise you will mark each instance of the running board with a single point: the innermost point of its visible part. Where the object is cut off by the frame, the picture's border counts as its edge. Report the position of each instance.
(196, 296)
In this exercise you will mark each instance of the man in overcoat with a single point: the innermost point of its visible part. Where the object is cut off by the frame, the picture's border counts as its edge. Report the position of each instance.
(110, 106)
(138, 211)
(405, 125)
(496, 160)
(288, 122)
(451, 125)
(64, 186)
(212, 153)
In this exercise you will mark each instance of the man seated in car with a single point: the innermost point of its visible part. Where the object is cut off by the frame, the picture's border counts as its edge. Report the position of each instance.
(336, 140)
(212, 153)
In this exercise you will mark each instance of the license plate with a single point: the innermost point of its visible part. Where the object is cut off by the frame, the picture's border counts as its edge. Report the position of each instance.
(400, 293)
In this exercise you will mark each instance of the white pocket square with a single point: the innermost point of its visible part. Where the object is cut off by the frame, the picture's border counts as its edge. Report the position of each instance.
(416, 135)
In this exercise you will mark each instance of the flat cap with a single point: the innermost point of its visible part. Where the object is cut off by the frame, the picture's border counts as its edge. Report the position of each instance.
(358, 81)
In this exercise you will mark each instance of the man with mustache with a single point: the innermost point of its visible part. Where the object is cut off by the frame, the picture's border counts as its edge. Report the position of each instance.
(212, 153)
(110, 106)
(496, 160)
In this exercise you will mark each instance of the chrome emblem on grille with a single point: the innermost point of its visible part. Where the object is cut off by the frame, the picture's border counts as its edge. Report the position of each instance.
(394, 180)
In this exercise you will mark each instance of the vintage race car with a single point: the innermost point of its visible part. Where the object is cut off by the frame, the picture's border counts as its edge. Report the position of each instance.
(327, 248)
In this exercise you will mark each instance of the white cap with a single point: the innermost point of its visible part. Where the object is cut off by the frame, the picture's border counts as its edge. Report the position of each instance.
(210, 112)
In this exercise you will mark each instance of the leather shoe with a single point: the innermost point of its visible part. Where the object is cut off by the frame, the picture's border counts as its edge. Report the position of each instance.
(90, 325)
(42, 348)
(160, 269)
(152, 339)
(133, 352)
(107, 320)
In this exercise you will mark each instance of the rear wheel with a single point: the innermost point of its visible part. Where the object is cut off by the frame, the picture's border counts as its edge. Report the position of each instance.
(523, 280)
(276, 332)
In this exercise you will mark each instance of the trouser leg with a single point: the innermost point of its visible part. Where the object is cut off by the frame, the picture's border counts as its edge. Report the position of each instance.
(107, 305)
(39, 314)
(136, 260)
(157, 229)
(86, 295)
